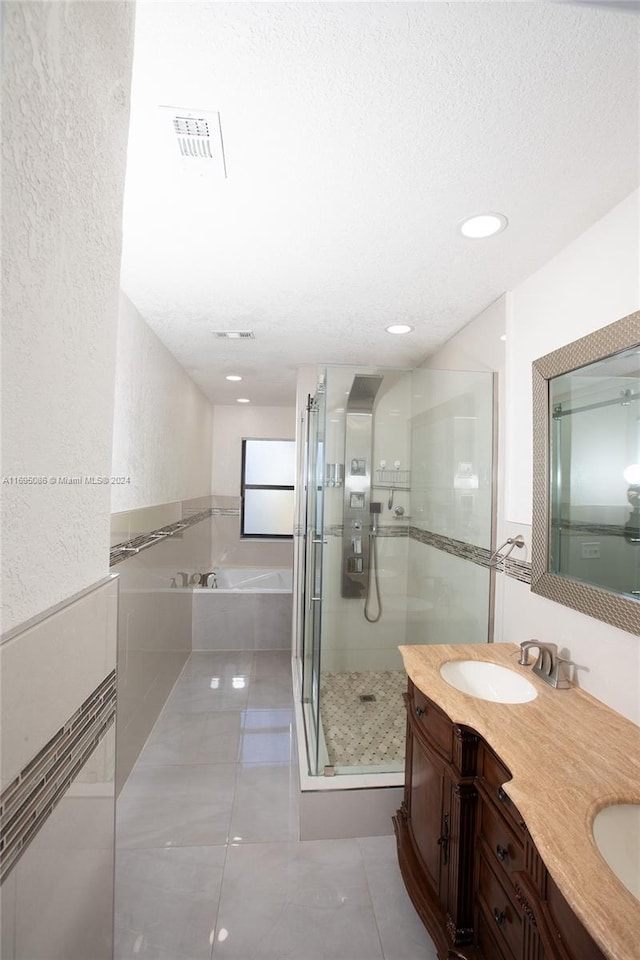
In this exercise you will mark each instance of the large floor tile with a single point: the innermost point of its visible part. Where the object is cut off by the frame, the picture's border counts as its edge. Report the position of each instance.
(169, 806)
(297, 901)
(401, 931)
(201, 737)
(267, 736)
(268, 691)
(269, 663)
(203, 663)
(265, 807)
(166, 902)
(209, 692)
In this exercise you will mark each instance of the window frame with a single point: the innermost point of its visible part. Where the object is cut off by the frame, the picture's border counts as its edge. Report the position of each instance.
(262, 486)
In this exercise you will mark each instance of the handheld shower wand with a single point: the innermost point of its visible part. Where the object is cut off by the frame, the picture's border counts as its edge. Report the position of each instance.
(374, 509)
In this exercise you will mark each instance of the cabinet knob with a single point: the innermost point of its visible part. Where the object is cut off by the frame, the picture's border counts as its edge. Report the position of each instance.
(501, 854)
(499, 916)
(420, 711)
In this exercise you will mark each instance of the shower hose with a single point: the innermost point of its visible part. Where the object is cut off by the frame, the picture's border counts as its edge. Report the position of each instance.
(373, 572)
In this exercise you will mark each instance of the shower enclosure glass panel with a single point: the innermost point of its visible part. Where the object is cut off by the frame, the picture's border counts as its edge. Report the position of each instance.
(312, 606)
(429, 469)
(452, 444)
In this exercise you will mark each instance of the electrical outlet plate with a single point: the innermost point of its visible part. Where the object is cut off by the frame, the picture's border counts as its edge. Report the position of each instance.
(590, 551)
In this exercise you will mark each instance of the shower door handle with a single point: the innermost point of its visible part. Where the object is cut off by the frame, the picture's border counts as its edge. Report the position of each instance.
(319, 541)
(316, 599)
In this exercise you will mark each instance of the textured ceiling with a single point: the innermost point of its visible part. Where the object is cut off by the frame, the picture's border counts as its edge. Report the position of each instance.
(357, 136)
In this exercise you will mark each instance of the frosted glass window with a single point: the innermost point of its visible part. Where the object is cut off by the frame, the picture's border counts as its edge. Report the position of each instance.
(268, 513)
(269, 463)
(268, 477)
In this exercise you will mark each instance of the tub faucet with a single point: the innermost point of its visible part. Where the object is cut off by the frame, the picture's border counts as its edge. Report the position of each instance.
(184, 578)
(211, 576)
(549, 666)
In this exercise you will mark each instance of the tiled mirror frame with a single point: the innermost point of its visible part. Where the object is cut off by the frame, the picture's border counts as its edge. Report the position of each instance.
(612, 608)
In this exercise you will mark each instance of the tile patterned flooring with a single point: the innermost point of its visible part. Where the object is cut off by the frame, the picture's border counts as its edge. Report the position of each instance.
(369, 733)
(208, 863)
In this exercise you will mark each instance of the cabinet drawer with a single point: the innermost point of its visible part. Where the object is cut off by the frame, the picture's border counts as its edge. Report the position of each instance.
(490, 947)
(493, 774)
(503, 918)
(505, 847)
(430, 722)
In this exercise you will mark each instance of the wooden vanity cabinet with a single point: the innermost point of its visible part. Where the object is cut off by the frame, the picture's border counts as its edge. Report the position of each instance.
(468, 861)
(436, 822)
(519, 911)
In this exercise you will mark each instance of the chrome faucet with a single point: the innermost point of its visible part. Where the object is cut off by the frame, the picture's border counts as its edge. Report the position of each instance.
(213, 575)
(549, 666)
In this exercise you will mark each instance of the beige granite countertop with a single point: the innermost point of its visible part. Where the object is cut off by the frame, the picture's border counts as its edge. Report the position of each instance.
(570, 755)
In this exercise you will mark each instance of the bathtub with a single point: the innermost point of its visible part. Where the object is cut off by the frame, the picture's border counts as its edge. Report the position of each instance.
(254, 579)
(250, 609)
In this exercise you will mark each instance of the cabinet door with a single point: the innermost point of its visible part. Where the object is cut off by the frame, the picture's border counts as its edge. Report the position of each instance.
(428, 815)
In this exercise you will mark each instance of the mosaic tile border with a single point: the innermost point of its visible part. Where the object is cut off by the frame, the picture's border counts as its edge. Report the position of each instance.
(28, 801)
(582, 527)
(129, 548)
(518, 569)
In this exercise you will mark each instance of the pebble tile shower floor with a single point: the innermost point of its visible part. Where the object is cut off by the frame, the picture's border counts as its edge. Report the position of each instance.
(208, 860)
(360, 731)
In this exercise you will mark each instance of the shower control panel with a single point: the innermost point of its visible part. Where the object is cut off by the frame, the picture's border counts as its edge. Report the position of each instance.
(358, 451)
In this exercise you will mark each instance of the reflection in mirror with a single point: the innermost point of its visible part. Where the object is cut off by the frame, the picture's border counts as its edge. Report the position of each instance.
(595, 473)
(586, 475)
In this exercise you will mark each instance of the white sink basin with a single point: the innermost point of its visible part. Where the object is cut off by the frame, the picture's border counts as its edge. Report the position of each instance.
(487, 681)
(616, 830)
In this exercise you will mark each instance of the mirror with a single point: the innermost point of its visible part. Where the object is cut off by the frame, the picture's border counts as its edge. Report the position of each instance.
(586, 475)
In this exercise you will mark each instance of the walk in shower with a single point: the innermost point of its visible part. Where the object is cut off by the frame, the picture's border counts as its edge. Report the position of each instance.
(397, 523)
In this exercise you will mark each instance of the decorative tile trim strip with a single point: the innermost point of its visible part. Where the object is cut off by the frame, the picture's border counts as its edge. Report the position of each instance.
(581, 527)
(384, 530)
(519, 569)
(457, 548)
(26, 803)
(129, 548)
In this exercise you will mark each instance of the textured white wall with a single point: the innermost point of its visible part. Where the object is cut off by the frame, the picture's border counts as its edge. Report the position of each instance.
(592, 282)
(66, 79)
(231, 424)
(162, 429)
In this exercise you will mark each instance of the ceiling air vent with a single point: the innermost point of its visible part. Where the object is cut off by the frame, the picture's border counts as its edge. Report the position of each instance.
(234, 335)
(197, 135)
(194, 137)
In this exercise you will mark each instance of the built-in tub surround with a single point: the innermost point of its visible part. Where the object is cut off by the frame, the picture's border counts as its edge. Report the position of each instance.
(253, 579)
(250, 609)
(569, 755)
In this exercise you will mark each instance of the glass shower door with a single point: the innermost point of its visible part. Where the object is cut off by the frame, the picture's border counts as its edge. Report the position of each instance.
(314, 546)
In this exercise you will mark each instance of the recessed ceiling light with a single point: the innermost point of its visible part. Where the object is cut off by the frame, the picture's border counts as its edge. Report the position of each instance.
(482, 226)
(399, 328)
(233, 376)
(243, 400)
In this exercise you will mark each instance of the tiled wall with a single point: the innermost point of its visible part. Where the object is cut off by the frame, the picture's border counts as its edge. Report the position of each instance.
(154, 624)
(57, 771)
(241, 621)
